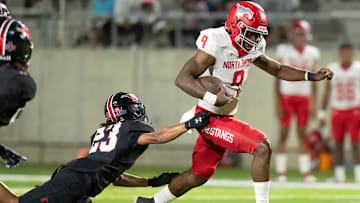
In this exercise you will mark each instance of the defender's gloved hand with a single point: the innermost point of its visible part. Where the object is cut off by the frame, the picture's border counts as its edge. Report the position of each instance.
(10, 157)
(163, 179)
(200, 120)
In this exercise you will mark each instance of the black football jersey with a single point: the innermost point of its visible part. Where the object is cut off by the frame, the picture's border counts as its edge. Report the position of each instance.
(114, 149)
(16, 88)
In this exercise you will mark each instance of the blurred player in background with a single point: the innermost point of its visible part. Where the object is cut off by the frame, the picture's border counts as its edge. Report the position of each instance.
(344, 94)
(319, 149)
(229, 50)
(16, 85)
(115, 147)
(296, 98)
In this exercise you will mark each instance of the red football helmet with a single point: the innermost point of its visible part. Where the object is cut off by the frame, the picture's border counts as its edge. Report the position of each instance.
(301, 26)
(246, 18)
(314, 139)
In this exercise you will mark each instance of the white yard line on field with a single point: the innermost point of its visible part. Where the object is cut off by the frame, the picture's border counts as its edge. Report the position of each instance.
(23, 177)
(214, 197)
(20, 190)
(213, 182)
(318, 185)
(272, 197)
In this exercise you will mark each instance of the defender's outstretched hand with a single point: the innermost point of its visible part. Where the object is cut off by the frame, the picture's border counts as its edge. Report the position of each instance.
(200, 120)
(166, 134)
(10, 157)
(163, 179)
(322, 74)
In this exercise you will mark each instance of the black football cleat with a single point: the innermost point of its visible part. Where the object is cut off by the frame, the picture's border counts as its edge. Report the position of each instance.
(144, 200)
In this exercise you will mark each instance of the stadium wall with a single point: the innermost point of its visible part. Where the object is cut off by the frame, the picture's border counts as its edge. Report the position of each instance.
(73, 85)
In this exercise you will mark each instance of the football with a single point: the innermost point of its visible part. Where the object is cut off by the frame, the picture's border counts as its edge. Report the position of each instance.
(211, 84)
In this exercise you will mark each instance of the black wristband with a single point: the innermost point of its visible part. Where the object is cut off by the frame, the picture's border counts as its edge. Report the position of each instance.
(187, 125)
(151, 182)
(311, 76)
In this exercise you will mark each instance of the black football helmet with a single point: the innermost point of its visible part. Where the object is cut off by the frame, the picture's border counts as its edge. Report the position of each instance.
(15, 41)
(4, 11)
(124, 106)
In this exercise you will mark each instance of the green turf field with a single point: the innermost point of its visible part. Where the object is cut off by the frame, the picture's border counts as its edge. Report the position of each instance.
(203, 194)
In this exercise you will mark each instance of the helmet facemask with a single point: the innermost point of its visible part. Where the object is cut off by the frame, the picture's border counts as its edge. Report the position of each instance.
(137, 112)
(245, 34)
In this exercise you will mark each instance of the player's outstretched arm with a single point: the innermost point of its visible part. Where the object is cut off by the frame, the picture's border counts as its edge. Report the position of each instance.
(169, 133)
(193, 68)
(128, 180)
(290, 73)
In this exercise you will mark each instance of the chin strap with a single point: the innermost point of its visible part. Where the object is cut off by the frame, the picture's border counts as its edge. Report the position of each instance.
(240, 51)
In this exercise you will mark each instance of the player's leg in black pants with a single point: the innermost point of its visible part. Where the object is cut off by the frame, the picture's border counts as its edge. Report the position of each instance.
(67, 186)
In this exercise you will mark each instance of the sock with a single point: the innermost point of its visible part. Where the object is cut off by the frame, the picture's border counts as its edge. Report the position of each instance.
(304, 164)
(357, 173)
(262, 191)
(164, 195)
(340, 173)
(280, 164)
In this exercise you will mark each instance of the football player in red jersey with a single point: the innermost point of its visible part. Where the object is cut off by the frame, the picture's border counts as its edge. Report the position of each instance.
(344, 96)
(296, 98)
(229, 50)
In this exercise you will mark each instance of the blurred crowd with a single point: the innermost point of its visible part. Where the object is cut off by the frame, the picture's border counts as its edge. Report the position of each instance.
(139, 22)
(155, 23)
(135, 22)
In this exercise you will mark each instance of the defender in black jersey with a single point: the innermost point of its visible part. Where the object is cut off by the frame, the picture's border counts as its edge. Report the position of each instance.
(115, 146)
(16, 85)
